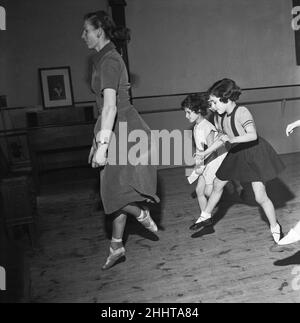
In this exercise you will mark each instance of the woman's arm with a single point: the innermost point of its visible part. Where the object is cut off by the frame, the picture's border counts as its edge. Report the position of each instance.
(108, 115)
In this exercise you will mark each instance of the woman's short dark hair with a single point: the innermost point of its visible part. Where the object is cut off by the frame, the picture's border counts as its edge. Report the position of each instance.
(225, 89)
(101, 19)
(197, 102)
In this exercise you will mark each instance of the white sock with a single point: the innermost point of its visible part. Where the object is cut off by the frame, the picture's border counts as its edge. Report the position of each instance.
(205, 215)
(275, 227)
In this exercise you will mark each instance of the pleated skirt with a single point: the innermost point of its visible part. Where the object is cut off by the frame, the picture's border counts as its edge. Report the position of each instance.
(254, 161)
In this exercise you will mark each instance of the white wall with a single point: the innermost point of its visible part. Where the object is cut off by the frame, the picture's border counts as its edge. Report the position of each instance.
(185, 45)
(177, 46)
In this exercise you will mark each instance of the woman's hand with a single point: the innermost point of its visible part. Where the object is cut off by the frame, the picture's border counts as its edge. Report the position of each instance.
(100, 156)
(91, 158)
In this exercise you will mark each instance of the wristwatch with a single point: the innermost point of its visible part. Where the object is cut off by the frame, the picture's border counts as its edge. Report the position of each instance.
(102, 142)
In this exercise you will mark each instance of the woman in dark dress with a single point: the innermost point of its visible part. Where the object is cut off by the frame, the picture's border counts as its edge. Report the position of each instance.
(125, 179)
(250, 159)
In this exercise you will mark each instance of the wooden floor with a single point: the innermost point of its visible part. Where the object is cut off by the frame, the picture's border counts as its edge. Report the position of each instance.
(229, 263)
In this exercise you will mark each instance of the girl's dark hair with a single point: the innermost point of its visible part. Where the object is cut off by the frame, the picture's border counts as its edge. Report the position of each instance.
(100, 19)
(197, 102)
(225, 89)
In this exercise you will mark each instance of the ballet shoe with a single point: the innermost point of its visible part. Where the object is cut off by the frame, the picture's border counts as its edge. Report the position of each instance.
(114, 256)
(203, 232)
(147, 222)
(276, 232)
(201, 224)
(290, 238)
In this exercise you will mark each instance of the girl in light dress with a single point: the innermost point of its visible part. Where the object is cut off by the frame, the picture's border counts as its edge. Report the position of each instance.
(196, 107)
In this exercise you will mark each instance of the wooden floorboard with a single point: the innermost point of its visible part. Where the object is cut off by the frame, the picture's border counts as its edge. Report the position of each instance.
(230, 263)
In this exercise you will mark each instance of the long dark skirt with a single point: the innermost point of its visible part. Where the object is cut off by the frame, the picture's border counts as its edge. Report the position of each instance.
(129, 176)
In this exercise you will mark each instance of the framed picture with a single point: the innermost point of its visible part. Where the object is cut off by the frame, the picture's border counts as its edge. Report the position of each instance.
(56, 85)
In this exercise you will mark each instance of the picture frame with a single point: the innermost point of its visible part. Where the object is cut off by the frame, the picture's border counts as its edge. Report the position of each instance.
(56, 87)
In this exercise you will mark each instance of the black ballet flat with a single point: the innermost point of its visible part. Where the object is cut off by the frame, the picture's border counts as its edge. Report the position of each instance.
(203, 224)
(203, 232)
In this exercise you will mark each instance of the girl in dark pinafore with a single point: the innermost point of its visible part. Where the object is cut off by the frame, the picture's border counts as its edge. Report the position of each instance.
(125, 181)
(251, 159)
